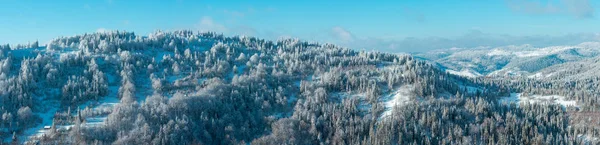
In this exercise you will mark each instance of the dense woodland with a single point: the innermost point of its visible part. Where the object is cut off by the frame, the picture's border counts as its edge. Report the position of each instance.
(184, 87)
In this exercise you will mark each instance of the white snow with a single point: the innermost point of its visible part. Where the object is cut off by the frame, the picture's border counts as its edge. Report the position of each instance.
(94, 121)
(160, 55)
(536, 75)
(541, 75)
(39, 130)
(499, 60)
(400, 97)
(106, 104)
(390, 67)
(529, 53)
(508, 72)
(518, 98)
(498, 52)
(464, 73)
(588, 138)
(549, 75)
(542, 51)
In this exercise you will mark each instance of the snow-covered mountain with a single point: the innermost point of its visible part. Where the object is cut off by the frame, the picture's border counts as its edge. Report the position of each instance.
(576, 70)
(524, 60)
(185, 87)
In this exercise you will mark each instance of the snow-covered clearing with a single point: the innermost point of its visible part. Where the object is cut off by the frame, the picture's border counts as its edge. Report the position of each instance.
(528, 52)
(400, 97)
(105, 104)
(498, 52)
(536, 76)
(542, 51)
(540, 75)
(465, 73)
(508, 72)
(518, 98)
(38, 130)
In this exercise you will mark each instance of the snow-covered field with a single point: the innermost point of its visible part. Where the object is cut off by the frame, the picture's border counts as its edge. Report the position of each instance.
(464, 73)
(540, 75)
(39, 130)
(105, 104)
(518, 98)
(400, 97)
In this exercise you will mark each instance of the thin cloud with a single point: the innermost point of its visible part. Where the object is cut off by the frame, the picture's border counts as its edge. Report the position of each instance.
(342, 34)
(414, 15)
(578, 8)
(533, 7)
(208, 24)
(245, 30)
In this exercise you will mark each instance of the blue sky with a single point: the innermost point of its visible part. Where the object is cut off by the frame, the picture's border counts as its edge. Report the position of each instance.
(393, 26)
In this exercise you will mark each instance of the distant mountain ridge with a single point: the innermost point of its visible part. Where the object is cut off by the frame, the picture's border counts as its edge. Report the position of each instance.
(522, 60)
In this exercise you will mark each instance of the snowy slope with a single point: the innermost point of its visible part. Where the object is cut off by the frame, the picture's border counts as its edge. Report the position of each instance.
(578, 70)
(401, 96)
(524, 60)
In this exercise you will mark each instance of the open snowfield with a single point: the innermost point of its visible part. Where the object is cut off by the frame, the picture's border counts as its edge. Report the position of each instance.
(400, 97)
(518, 98)
(39, 130)
(465, 73)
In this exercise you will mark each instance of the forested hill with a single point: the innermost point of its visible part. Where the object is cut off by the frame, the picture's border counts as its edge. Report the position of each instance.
(184, 87)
